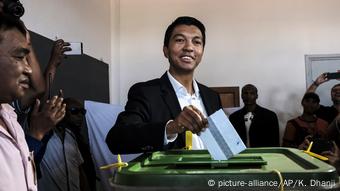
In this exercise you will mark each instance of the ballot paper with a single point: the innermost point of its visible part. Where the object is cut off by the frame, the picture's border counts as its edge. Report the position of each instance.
(220, 138)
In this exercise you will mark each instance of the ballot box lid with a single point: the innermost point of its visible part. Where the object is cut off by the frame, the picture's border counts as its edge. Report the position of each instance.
(253, 168)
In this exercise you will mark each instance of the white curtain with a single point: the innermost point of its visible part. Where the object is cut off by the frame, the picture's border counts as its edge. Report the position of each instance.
(100, 118)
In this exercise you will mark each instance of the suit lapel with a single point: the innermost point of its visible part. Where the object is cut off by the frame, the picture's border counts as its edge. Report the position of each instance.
(169, 96)
(170, 99)
(206, 99)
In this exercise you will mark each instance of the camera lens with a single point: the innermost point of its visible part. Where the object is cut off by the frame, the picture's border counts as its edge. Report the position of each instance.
(14, 8)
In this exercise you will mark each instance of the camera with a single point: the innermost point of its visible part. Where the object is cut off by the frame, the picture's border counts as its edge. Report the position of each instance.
(334, 75)
(14, 8)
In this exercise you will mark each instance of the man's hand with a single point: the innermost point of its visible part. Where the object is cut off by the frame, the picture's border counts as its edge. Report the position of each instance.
(321, 79)
(304, 145)
(190, 119)
(333, 156)
(318, 81)
(46, 118)
(57, 53)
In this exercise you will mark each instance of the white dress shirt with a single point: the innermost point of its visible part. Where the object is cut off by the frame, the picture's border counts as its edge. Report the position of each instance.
(247, 122)
(185, 99)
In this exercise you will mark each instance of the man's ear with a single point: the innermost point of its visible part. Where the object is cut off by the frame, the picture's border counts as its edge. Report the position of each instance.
(166, 51)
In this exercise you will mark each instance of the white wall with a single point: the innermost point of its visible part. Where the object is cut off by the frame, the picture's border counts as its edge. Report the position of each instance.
(261, 42)
(86, 21)
(248, 41)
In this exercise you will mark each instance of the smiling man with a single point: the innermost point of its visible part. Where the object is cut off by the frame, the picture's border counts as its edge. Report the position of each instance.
(159, 111)
(17, 165)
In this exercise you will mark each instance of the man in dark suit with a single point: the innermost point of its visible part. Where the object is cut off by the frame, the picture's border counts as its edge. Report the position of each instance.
(159, 111)
(257, 126)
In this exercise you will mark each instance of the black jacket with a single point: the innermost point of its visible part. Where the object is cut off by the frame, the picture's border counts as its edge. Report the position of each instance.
(150, 105)
(264, 129)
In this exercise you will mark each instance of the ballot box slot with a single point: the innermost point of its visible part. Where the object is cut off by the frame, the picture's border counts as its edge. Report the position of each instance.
(203, 162)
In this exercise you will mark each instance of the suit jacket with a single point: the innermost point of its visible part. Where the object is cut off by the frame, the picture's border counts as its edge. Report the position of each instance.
(264, 129)
(150, 105)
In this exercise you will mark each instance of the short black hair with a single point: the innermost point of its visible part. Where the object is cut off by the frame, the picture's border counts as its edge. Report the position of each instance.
(183, 20)
(311, 95)
(336, 85)
(9, 22)
(249, 86)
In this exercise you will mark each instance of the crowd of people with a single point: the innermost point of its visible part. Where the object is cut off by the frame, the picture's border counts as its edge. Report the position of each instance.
(41, 146)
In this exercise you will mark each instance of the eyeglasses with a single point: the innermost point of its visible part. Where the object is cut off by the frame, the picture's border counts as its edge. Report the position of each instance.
(76, 111)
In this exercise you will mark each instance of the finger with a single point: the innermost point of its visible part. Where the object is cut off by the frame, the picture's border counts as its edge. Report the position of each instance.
(203, 118)
(51, 103)
(193, 114)
(61, 93)
(335, 147)
(196, 119)
(65, 49)
(47, 105)
(61, 113)
(185, 121)
(190, 118)
(196, 111)
(36, 107)
(58, 104)
(327, 153)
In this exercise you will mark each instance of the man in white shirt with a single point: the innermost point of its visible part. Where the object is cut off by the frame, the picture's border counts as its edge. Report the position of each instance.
(256, 125)
(159, 111)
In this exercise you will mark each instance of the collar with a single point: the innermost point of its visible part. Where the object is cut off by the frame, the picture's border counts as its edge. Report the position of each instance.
(244, 110)
(179, 88)
(8, 109)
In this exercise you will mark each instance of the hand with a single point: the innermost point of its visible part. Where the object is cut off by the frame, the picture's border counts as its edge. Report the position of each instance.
(304, 145)
(57, 53)
(321, 79)
(190, 119)
(333, 156)
(46, 118)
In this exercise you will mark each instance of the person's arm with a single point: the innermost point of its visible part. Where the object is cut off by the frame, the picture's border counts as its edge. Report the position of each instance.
(134, 132)
(318, 81)
(57, 54)
(288, 139)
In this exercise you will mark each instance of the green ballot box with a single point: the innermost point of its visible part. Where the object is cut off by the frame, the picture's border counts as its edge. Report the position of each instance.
(253, 169)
